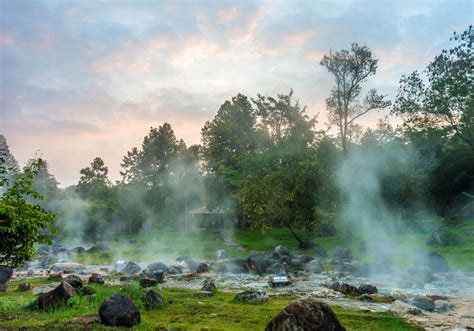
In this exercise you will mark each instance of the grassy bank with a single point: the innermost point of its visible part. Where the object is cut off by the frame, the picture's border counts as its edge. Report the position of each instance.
(186, 312)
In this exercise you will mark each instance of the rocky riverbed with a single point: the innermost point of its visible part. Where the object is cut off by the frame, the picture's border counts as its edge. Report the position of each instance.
(427, 293)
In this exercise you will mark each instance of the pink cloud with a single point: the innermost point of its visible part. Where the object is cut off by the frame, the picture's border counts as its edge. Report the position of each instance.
(6, 38)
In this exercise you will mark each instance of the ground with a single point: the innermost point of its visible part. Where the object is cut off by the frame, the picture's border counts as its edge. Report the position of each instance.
(186, 313)
(218, 313)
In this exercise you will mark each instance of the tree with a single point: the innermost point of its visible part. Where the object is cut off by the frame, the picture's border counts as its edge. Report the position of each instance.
(282, 122)
(350, 69)
(23, 223)
(226, 140)
(94, 180)
(45, 182)
(9, 163)
(442, 96)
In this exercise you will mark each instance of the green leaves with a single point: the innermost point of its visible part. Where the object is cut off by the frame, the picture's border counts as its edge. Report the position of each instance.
(22, 221)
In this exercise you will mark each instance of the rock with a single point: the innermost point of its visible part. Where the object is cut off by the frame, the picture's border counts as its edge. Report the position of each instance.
(423, 303)
(96, 279)
(280, 251)
(119, 310)
(295, 263)
(342, 254)
(68, 267)
(78, 250)
(313, 266)
(5, 275)
(285, 259)
(258, 263)
(152, 299)
(181, 259)
(175, 270)
(157, 266)
(201, 268)
(399, 295)
(251, 297)
(25, 286)
(97, 248)
(42, 250)
(414, 311)
(157, 275)
(221, 255)
(305, 315)
(205, 294)
(209, 286)
(74, 281)
(57, 297)
(276, 268)
(131, 268)
(368, 289)
(148, 282)
(346, 289)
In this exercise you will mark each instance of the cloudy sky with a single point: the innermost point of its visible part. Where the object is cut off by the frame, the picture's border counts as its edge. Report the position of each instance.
(80, 79)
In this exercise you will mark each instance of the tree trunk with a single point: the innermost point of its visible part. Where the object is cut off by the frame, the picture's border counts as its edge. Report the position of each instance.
(302, 243)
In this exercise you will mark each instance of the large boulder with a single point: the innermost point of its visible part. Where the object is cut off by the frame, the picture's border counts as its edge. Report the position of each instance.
(305, 315)
(158, 275)
(148, 282)
(202, 268)
(157, 266)
(57, 297)
(251, 297)
(422, 302)
(313, 266)
(131, 268)
(119, 310)
(96, 279)
(368, 289)
(277, 268)
(346, 289)
(5, 275)
(281, 251)
(74, 281)
(152, 299)
(258, 263)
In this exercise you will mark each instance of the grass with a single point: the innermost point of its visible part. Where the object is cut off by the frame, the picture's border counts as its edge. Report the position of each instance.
(186, 313)
(460, 256)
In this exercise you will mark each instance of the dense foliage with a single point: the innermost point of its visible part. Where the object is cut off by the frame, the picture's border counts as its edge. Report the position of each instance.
(23, 222)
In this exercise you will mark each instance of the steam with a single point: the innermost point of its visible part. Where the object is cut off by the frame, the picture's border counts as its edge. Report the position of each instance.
(360, 179)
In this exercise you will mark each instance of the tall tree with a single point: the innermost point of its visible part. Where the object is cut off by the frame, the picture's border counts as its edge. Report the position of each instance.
(351, 68)
(442, 96)
(228, 138)
(9, 162)
(94, 179)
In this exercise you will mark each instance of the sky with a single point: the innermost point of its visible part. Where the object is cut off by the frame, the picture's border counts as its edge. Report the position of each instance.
(80, 79)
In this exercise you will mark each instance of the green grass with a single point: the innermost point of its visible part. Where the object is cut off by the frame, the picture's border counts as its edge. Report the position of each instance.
(187, 312)
(460, 256)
